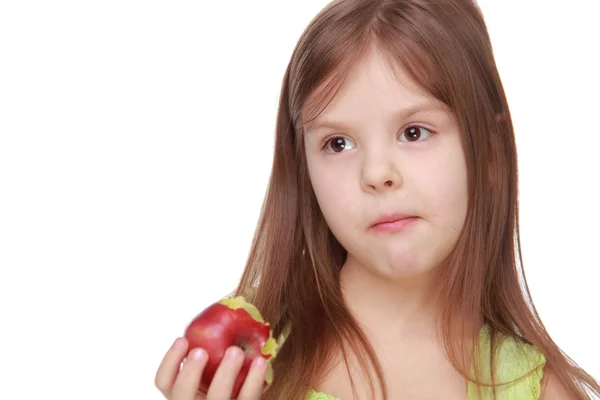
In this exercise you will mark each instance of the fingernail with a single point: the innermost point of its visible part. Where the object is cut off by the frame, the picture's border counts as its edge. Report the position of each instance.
(198, 354)
(178, 343)
(260, 362)
(232, 353)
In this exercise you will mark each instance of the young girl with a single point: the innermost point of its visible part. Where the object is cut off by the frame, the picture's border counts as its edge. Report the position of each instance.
(387, 254)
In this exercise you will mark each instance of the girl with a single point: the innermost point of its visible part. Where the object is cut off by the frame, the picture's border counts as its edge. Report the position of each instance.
(387, 254)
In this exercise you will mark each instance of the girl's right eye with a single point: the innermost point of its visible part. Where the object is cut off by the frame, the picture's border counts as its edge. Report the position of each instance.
(337, 144)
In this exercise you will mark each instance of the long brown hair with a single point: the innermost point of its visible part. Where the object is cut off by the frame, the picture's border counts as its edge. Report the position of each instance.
(294, 264)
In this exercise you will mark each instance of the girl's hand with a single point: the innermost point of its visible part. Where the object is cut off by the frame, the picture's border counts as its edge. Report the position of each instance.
(182, 383)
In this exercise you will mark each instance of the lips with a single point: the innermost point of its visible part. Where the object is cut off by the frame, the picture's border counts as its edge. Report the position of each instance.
(392, 222)
(387, 218)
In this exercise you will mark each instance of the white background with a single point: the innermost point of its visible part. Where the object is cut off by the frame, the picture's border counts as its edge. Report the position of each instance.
(136, 142)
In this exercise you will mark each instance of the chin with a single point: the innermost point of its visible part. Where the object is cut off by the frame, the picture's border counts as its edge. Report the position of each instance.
(393, 259)
(397, 265)
(404, 271)
(395, 271)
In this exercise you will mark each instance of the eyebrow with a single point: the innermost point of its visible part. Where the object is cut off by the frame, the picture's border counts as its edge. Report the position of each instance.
(402, 113)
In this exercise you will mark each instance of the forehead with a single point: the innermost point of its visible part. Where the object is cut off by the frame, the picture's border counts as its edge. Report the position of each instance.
(375, 86)
(373, 90)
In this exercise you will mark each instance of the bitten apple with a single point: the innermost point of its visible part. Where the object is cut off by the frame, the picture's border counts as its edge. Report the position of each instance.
(232, 322)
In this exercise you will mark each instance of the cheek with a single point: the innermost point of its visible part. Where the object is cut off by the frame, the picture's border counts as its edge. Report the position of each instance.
(333, 193)
(330, 193)
(447, 192)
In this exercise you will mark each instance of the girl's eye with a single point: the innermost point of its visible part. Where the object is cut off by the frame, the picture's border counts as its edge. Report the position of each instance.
(415, 133)
(338, 144)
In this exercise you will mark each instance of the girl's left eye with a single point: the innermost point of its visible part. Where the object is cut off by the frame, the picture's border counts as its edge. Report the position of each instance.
(415, 133)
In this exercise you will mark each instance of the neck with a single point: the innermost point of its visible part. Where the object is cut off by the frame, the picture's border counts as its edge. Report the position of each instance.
(406, 307)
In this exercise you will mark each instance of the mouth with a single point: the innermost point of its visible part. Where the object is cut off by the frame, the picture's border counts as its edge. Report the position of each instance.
(392, 222)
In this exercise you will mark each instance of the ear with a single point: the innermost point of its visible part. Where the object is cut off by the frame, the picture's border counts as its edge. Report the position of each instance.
(501, 117)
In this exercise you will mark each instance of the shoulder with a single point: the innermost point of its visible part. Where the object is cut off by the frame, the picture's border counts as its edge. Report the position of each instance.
(521, 367)
(513, 358)
(518, 367)
(516, 357)
(553, 389)
(313, 395)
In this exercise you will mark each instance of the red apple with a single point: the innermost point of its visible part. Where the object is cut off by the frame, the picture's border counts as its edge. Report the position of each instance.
(232, 322)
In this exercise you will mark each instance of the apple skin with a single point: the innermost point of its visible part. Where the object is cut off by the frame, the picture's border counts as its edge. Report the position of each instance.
(231, 322)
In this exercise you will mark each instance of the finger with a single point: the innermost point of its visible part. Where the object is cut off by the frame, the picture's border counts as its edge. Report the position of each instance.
(169, 366)
(226, 375)
(188, 381)
(254, 383)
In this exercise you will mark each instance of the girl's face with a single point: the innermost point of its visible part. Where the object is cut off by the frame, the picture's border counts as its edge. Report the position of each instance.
(385, 148)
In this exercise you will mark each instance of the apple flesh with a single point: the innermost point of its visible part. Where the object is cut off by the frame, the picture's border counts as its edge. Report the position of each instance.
(232, 322)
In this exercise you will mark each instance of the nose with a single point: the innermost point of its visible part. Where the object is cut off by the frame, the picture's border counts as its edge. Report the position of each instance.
(380, 171)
